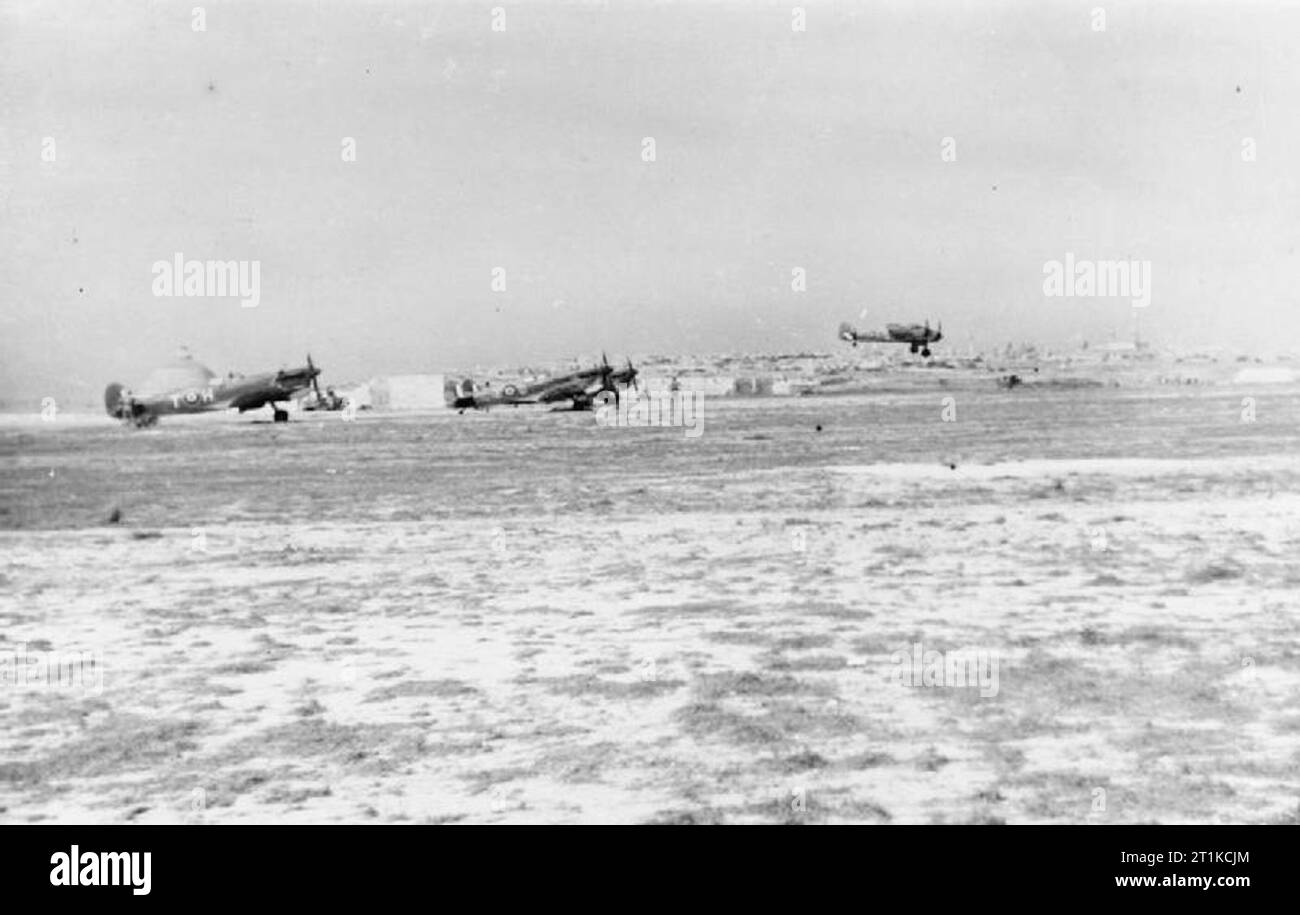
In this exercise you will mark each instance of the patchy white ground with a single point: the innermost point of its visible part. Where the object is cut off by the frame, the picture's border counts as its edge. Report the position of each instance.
(520, 618)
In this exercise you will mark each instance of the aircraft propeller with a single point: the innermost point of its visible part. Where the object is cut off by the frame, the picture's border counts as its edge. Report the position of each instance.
(312, 371)
(608, 373)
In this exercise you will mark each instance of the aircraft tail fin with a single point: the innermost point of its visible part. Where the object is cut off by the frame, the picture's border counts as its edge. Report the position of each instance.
(119, 404)
(847, 331)
(457, 393)
(113, 400)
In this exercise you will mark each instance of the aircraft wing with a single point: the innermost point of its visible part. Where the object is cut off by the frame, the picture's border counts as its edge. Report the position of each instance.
(250, 399)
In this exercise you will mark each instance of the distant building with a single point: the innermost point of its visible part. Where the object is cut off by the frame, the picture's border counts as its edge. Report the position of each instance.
(1265, 375)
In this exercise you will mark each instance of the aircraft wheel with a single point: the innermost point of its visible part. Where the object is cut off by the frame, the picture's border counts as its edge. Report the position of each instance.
(926, 352)
(281, 416)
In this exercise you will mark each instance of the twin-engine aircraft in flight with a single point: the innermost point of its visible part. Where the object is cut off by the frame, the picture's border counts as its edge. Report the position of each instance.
(917, 336)
(581, 388)
(189, 387)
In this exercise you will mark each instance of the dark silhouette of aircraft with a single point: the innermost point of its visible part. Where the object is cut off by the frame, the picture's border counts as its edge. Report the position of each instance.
(917, 336)
(581, 388)
(188, 387)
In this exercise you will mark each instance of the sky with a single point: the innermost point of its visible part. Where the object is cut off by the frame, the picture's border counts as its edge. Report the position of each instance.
(522, 150)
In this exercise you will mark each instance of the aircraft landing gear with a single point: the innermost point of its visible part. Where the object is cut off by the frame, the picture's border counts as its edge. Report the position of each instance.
(913, 348)
(926, 352)
(280, 416)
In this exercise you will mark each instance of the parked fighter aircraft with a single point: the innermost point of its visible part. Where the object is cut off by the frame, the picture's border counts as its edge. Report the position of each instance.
(188, 387)
(581, 388)
(917, 336)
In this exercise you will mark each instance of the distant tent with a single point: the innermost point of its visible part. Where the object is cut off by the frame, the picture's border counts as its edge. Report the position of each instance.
(181, 373)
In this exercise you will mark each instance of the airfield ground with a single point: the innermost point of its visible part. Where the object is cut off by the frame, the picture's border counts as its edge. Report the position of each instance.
(522, 616)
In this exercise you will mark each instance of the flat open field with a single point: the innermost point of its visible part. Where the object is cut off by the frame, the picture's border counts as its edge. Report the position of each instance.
(522, 616)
